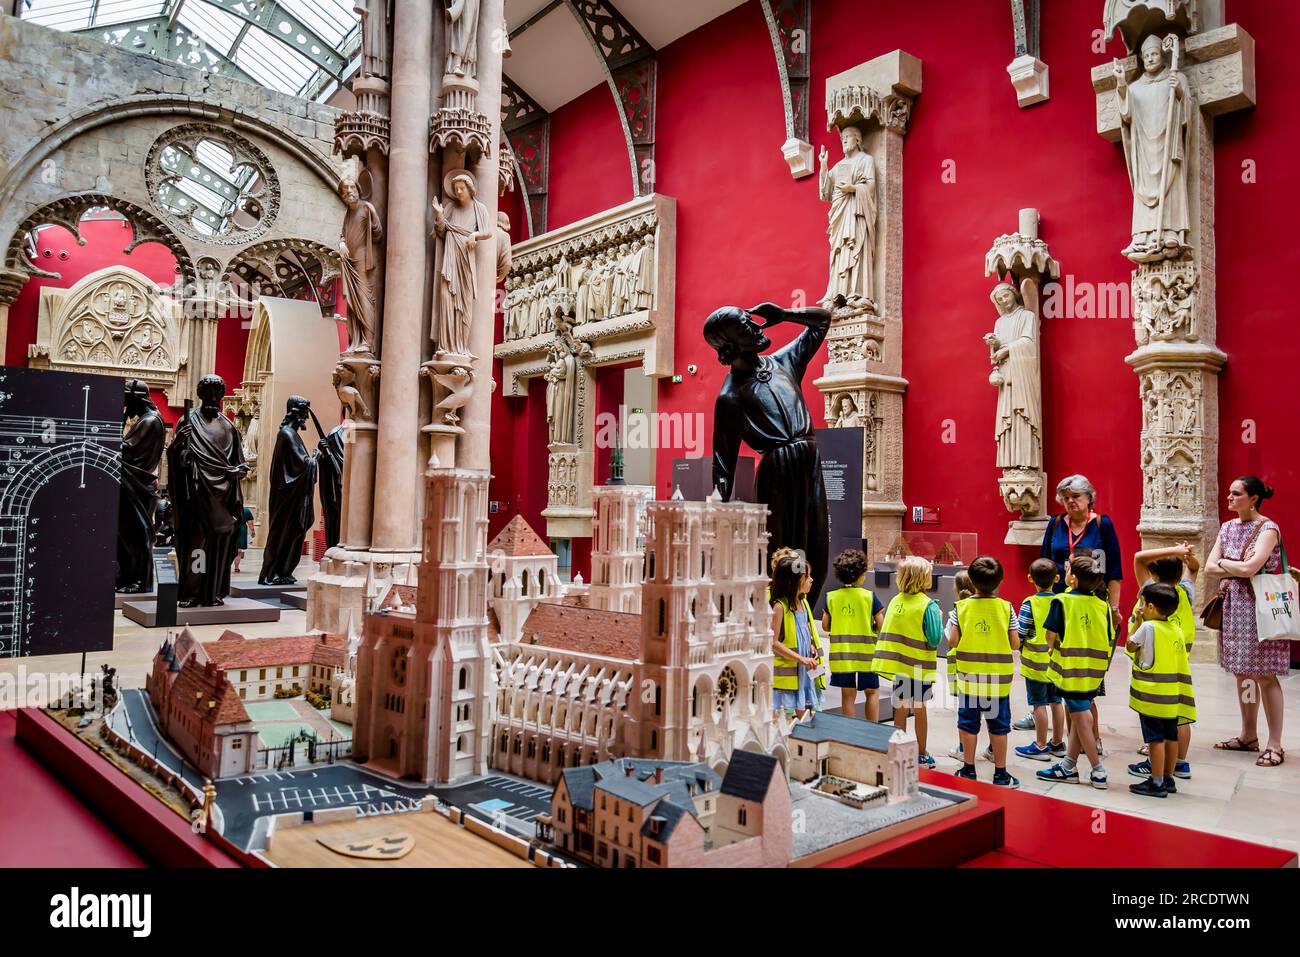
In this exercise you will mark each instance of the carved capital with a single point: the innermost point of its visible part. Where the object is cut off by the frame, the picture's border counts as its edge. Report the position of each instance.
(11, 283)
(356, 380)
(452, 380)
(359, 131)
(1165, 302)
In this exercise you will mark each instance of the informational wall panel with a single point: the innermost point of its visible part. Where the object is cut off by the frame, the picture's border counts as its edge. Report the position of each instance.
(60, 437)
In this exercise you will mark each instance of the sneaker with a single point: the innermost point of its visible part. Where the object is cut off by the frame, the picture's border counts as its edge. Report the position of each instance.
(1002, 779)
(1182, 769)
(1024, 724)
(956, 753)
(1099, 780)
(1057, 772)
(1169, 785)
(1140, 770)
(926, 761)
(1144, 750)
(1058, 750)
(988, 753)
(1149, 788)
(1034, 753)
(961, 772)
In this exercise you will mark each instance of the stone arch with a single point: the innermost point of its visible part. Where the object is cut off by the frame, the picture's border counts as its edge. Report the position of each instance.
(265, 259)
(67, 211)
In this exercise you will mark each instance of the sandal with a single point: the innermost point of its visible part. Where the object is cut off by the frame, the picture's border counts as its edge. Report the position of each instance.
(1270, 758)
(1236, 744)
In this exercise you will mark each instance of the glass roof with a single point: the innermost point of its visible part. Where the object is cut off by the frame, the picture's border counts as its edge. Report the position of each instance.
(300, 47)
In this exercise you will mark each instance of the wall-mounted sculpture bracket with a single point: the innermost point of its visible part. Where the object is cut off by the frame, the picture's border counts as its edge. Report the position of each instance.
(789, 24)
(1028, 73)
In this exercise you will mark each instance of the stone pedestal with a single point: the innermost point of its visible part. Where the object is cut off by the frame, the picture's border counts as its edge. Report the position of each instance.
(864, 358)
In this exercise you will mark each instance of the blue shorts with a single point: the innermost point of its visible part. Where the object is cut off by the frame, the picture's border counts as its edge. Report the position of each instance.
(996, 713)
(1041, 693)
(1155, 730)
(1077, 705)
(911, 689)
(856, 680)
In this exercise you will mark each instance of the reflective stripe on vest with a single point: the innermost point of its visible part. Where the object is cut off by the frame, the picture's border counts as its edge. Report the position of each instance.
(1035, 652)
(1165, 689)
(785, 673)
(984, 660)
(853, 633)
(1080, 662)
(901, 649)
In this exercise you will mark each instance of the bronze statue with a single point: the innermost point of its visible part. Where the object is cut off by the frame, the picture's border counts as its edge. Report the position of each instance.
(330, 458)
(761, 402)
(142, 449)
(205, 465)
(293, 482)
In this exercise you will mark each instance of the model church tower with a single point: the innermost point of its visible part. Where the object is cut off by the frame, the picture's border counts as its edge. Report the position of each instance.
(706, 659)
(618, 546)
(424, 683)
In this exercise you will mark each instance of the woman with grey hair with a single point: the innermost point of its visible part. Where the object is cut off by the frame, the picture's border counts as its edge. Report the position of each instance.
(1081, 528)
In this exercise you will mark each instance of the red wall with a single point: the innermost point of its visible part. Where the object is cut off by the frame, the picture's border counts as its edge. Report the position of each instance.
(748, 232)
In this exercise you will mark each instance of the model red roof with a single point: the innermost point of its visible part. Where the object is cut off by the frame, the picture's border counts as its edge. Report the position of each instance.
(592, 631)
(237, 652)
(518, 540)
(197, 686)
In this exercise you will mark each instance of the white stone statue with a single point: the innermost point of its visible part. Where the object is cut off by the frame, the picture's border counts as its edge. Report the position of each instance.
(462, 38)
(1013, 348)
(850, 188)
(503, 245)
(1154, 111)
(562, 383)
(461, 225)
(846, 413)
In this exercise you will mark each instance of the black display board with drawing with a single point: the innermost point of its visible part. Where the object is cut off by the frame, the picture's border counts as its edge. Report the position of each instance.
(841, 452)
(60, 438)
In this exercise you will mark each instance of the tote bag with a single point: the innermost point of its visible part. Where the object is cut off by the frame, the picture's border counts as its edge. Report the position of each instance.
(1277, 604)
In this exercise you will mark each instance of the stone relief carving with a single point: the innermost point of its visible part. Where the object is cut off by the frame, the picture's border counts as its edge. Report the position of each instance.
(224, 164)
(116, 322)
(1154, 111)
(1164, 302)
(608, 275)
(1172, 439)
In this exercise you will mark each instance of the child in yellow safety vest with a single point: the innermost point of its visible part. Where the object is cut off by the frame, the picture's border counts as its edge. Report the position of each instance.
(983, 641)
(1078, 630)
(852, 621)
(905, 650)
(962, 586)
(1161, 687)
(1166, 565)
(798, 655)
(1035, 656)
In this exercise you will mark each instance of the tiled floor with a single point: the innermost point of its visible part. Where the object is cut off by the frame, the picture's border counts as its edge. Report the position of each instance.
(1226, 794)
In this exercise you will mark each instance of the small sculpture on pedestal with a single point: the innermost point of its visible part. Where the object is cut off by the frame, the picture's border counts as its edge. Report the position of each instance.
(462, 38)
(205, 464)
(142, 449)
(761, 402)
(293, 482)
(1154, 111)
(362, 231)
(562, 383)
(1013, 351)
(461, 226)
(850, 188)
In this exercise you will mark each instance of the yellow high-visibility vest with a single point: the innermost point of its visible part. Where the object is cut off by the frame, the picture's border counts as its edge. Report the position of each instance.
(1165, 689)
(785, 673)
(984, 660)
(1080, 661)
(853, 630)
(1035, 653)
(901, 649)
(1184, 617)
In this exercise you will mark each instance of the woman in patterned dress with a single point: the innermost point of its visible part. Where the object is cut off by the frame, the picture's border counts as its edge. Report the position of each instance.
(1246, 544)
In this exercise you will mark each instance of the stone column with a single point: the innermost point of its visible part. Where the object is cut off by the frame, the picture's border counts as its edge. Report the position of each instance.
(11, 283)
(1173, 301)
(864, 360)
(397, 445)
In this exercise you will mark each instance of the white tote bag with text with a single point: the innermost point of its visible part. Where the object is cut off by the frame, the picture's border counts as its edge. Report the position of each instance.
(1277, 604)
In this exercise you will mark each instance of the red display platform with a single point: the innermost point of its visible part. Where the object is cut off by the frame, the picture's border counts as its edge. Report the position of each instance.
(43, 823)
(162, 836)
(1046, 832)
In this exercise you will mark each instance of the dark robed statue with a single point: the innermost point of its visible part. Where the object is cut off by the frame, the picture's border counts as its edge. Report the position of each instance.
(293, 481)
(330, 451)
(761, 402)
(205, 464)
(142, 449)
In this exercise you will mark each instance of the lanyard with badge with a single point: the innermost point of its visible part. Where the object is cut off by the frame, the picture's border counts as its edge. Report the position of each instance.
(1073, 539)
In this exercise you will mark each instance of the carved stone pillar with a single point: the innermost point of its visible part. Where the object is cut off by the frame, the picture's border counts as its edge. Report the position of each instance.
(1173, 301)
(864, 359)
(11, 283)
(1023, 261)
